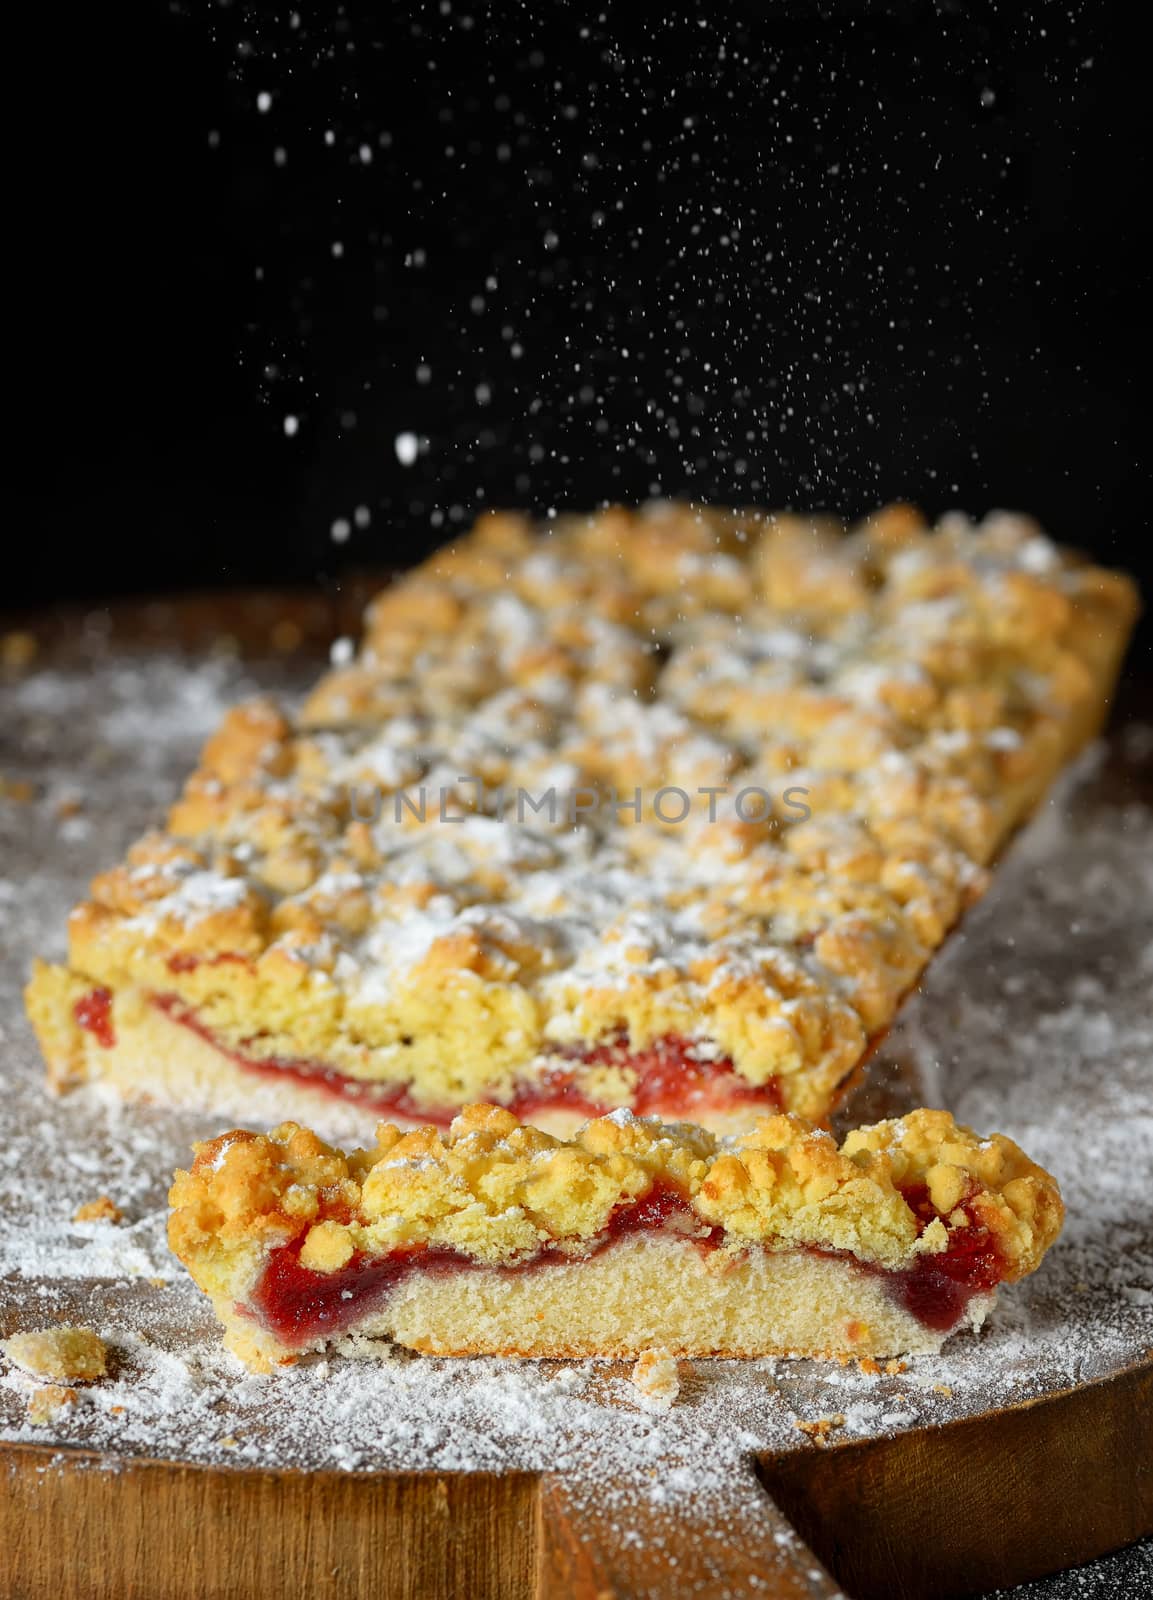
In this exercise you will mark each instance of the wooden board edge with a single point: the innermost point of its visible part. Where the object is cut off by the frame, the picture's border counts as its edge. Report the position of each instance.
(77, 1522)
(980, 1502)
(78, 1525)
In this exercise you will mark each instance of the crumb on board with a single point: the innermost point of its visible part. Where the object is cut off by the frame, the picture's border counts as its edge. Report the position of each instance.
(46, 1404)
(656, 1379)
(287, 636)
(102, 1209)
(63, 1352)
(819, 1430)
(943, 1388)
(18, 649)
(873, 1369)
(17, 789)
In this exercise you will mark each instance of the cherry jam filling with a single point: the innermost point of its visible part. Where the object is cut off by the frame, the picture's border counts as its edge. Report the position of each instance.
(670, 1080)
(387, 1099)
(93, 1011)
(936, 1289)
(300, 1306)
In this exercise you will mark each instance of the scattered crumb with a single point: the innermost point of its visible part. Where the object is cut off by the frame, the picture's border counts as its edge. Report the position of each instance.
(115, 1411)
(101, 1209)
(655, 1378)
(158, 1283)
(943, 1388)
(229, 1442)
(18, 649)
(17, 789)
(286, 636)
(868, 1366)
(71, 806)
(820, 1430)
(45, 1404)
(59, 1353)
(893, 1366)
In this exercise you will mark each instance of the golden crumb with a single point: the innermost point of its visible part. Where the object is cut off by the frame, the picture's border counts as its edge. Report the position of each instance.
(868, 1366)
(18, 790)
(46, 1404)
(943, 1388)
(18, 649)
(64, 1352)
(656, 1379)
(286, 636)
(101, 1209)
(819, 1430)
(894, 1367)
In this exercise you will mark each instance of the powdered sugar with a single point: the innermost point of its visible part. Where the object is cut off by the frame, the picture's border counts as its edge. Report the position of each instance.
(1035, 1021)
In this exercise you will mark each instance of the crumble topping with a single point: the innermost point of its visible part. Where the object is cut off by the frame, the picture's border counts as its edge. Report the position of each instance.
(71, 1353)
(495, 1189)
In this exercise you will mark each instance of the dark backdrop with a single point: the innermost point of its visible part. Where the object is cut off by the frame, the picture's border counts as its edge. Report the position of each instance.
(817, 255)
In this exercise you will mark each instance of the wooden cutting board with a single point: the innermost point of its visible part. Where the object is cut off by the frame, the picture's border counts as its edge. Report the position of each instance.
(1019, 1453)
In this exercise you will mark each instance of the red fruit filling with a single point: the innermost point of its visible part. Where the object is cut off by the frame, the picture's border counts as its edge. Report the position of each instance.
(937, 1288)
(386, 1099)
(671, 1081)
(93, 1011)
(300, 1306)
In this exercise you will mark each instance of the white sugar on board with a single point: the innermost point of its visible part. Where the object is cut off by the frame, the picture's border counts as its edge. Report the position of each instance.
(1061, 1063)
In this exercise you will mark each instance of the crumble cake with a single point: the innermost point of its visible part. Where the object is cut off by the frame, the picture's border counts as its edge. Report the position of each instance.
(375, 900)
(496, 1238)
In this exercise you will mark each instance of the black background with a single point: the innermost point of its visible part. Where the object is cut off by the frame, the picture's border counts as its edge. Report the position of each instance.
(818, 255)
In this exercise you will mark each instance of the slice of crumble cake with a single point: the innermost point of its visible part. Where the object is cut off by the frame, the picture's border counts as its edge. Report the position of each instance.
(496, 1238)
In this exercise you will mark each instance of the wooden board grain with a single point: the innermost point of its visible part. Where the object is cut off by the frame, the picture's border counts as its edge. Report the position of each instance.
(75, 1526)
(933, 1512)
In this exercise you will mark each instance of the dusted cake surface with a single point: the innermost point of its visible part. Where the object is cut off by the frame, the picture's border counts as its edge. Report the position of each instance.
(678, 779)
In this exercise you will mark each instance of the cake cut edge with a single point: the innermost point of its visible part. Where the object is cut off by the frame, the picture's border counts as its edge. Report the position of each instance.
(497, 1239)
